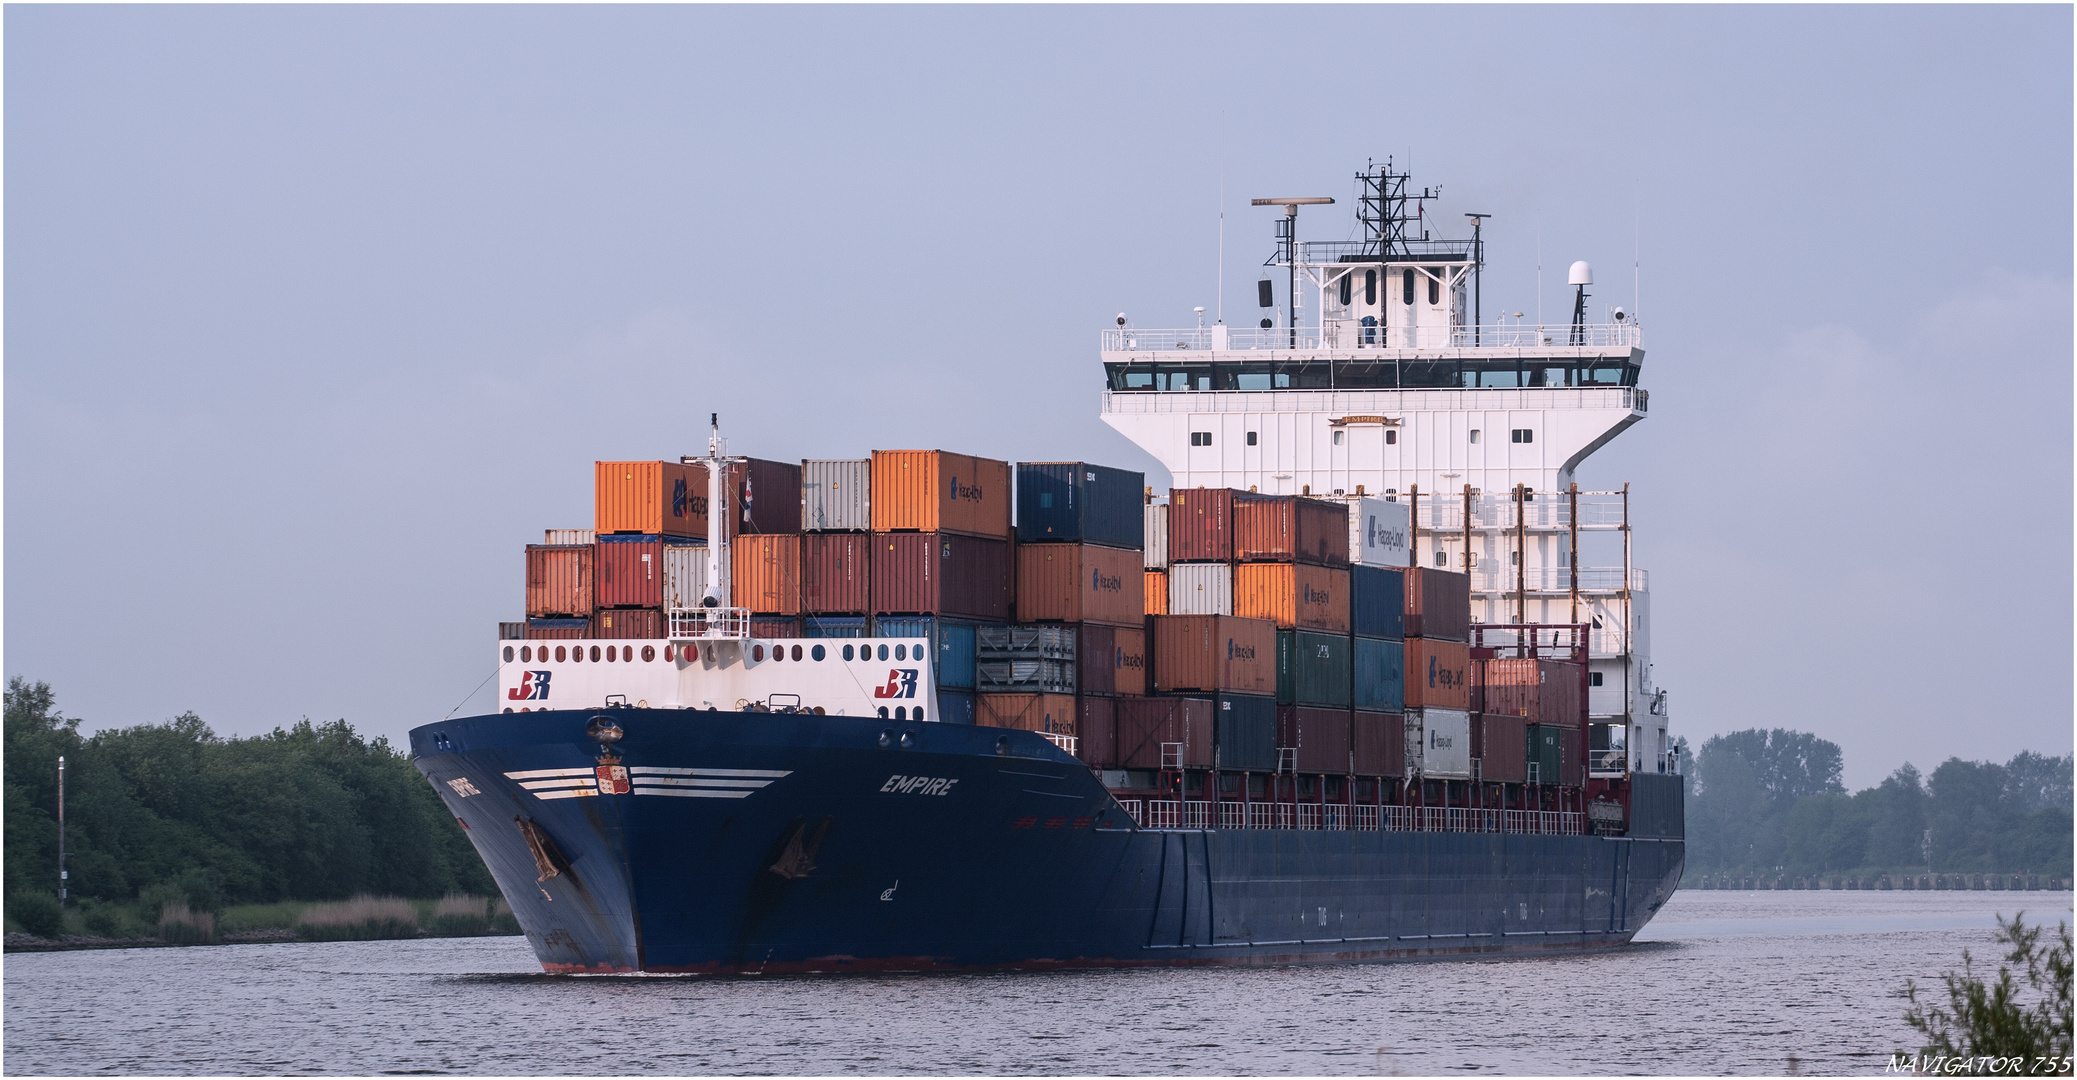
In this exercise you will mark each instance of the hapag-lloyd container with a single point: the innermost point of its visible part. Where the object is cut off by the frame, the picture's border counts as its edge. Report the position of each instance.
(836, 573)
(1312, 669)
(559, 580)
(836, 495)
(1214, 652)
(768, 497)
(1437, 674)
(1377, 742)
(1200, 525)
(1378, 675)
(553, 629)
(1200, 589)
(1244, 731)
(628, 570)
(1130, 660)
(765, 574)
(1540, 691)
(1079, 583)
(1438, 604)
(1095, 673)
(1377, 602)
(615, 623)
(1380, 532)
(1096, 732)
(1154, 531)
(1146, 724)
(951, 641)
(1444, 738)
(1320, 738)
(651, 497)
(1154, 590)
(1076, 502)
(1501, 744)
(939, 491)
(1293, 595)
(1288, 528)
(941, 574)
(1027, 712)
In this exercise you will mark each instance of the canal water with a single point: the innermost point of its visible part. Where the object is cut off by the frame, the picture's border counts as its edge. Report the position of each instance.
(1720, 982)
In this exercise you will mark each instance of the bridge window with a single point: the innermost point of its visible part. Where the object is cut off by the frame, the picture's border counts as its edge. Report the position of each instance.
(1346, 284)
(1524, 435)
(1251, 442)
(1200, 438)
(1434, 291)
(1370, 287)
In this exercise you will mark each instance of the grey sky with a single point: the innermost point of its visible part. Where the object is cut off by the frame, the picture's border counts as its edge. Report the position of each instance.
(315, 315)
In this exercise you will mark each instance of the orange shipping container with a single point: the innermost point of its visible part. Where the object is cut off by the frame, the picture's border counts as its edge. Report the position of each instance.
(764, 573)
(1078, 583)
(654, 497)
(939, 491)
(1437, 674)
(1214, 652)
(1295, 596)
(1282, 528)
(1027, 712)
(1154, 591)
(558, 580)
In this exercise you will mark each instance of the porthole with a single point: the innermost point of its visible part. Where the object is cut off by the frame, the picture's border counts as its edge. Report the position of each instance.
(901, 652)
(756, 652)
(778, 652)
(796, 652)
(611, 650)
(883, 652)
(649, 652)
(918, 714)
(508, 654)
(558, 653)
(594, 654)
(508, 708)
(526, 654)
(847, 652)
(883, 712)
(666, 654)
(901, 712)
(818, 652)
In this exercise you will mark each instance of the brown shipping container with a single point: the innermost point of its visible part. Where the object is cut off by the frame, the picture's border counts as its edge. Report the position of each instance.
(1501, 743)
(1378, 743)
(629, 573)
(628, 623)
(1026, 712)
(1200, 524)
(1541, 691)
(1320, 737)
(663, 498)
(1155, 591)
(765, 574)
(1095, 673)
(1145, 723)
(962, 577)
(774, 626)
(768, 498)
(1130, 661)
(543, 633)
(836, 573)
(558, 580)
(1214, 652)
(1079, 583)
(1437, 674)
(1438, 604)
(1295, 596)
(1288, 528)
(939, 491)
(1571, 761)
(1096, 733)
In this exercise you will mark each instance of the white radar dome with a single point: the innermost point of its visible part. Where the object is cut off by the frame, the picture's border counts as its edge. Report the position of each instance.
(1580, 274)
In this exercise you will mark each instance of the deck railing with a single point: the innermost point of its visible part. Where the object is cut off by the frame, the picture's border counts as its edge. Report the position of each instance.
(1202, 814)
(1354, 336)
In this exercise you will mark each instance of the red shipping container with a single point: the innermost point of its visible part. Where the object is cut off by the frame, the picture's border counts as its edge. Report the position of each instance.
(1437, 674)
(771, 626)
(645, 623)
(944, 574)
(1571, 762)
(764, 574)
(1438, 604)
(1378, 743)
(1289, 528)
(1214, 652)
(939, 491)
(1154, 587)
(557, 633)
(1096, 733)
(1144, 724)
(629, 571)
(1095, 673)
(1200, 525)
(1027, 712)
(1130, 661)
(836, 574)
(1501, 743)
(1542, 691)
(1079, 583)
(1320, 737)
(558, 580)
(768, 497)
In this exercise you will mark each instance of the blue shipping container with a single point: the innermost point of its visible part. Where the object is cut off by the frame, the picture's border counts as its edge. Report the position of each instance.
(1244, 732)
(834, 626)
(954, 642)
(955, 707)
(1380, 675)
(542, 623)
(1076, 502)
(1377, 603)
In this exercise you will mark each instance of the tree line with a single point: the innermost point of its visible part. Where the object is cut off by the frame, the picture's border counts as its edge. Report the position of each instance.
(309, 812)
(1772, 801)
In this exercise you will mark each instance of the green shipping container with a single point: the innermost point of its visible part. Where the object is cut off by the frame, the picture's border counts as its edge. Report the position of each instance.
(1313, 669)
(1546, 753)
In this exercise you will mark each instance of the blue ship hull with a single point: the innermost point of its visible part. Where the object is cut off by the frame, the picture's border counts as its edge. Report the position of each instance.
(865, 845)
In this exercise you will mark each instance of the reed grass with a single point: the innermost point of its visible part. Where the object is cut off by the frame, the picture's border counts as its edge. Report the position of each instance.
(180, 925)
(457, 915)
(363, 918)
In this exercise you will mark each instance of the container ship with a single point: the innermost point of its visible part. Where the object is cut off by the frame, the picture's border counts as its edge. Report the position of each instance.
(1355, 688)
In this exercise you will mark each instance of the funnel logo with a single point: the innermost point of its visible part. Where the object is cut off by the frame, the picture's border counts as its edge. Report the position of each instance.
(1099, 583)
(901, 683)
(971, 493)
(1239, 652)
(533, 686)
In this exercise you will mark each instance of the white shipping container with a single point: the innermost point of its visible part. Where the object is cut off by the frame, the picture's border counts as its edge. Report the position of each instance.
(1200, 588)
(1380, 532)
(685, 576)
(836, 496)
(1154, 543)
(571, 537)
(1445, 742)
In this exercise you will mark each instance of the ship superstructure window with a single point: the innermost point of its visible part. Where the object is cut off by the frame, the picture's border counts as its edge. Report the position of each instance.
(1524, 435)
(1474, 434)
(1200, 438)
(1593, 678)
(1391, 437)
(1434, 291)
(817, 652)
(1406, 288)
(1442, 558)
(1370, 287)
(847, 652)
(1347, 283)
(1251, 438)
(1337, 438)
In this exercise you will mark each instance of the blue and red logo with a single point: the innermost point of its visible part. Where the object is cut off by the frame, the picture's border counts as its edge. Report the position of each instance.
(533, 686)
(901, 683)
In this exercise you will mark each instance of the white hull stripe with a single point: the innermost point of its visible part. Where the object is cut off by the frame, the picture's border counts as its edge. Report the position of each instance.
(646, 770)
(571, 793)
(543, 785)
(536, 774)
(673, 781)
(693, 793)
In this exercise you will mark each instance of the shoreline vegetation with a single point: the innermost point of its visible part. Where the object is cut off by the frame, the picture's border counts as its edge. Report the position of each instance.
(103, 925)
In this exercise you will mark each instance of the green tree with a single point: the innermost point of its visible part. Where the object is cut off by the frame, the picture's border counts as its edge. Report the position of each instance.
(1991, 1019)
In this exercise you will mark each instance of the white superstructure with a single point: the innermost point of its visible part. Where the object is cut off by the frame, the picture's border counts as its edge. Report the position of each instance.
(1374, 379)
